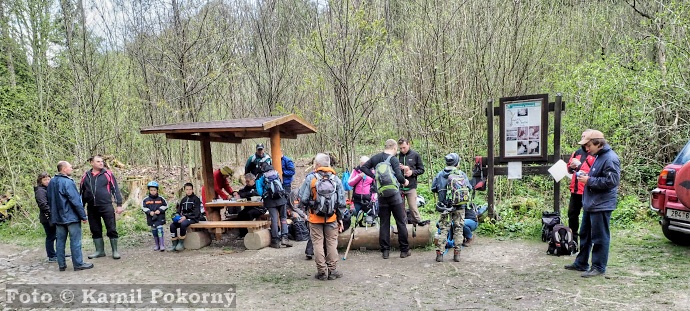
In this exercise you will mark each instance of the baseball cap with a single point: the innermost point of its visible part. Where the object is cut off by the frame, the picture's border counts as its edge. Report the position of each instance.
(593, 134)
(259, 146)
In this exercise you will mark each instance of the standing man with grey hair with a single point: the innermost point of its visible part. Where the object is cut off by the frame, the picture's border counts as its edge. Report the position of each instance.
(412, 166)
(98, 187)
(598, 202)
(66, 210)
(389, 178)
(324, 229)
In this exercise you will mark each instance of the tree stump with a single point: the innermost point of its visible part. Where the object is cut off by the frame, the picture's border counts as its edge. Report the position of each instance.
(257, 239)
(197, 239)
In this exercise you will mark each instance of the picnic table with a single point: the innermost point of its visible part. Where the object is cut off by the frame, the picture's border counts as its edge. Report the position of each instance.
(257, 238)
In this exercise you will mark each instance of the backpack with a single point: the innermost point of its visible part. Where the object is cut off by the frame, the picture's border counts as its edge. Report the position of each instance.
(273, 187)
(325, 194)
(548, 221)
(457, 192)
(561, 241)
(386, 183)
(298, 230)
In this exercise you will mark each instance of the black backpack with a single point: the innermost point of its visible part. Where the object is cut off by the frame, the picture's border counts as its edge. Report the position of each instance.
(561, 241)
(548, 221)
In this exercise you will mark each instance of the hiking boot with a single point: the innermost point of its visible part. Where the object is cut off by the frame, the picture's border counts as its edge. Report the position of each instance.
(321, 276)
(52, 259)
(83, 266)
(385, 253)
(574, 267)
(275, 244)
(456, 255)
(285, 242)
(334, 274)
(180, 244)
(99, 249)
(439, 256)
(113, 246)
(592, 273)
(63, 268)
(405, 254)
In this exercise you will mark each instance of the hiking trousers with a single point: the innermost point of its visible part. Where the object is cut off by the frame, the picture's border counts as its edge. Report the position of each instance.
(398, 212)
(325, 239)
(410, 196)
(107, 213)
(457, 219)
(574, 209)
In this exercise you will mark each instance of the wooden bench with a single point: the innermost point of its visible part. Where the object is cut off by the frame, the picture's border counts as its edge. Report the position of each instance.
(257, 238)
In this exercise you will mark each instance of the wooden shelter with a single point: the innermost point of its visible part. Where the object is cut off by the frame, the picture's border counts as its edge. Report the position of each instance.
(234, 131)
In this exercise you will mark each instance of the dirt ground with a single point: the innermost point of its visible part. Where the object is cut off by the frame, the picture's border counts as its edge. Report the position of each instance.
(493, 275)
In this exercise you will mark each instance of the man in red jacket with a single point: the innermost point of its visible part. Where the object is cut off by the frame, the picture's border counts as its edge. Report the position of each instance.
(580, 161)
(220, 184)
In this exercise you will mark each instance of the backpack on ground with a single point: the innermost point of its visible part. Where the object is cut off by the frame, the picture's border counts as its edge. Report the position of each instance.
(326, 195)
(457, 192)
(386, 183)
(561, 241)
(298, 230)
(548, 221)
(273, 187)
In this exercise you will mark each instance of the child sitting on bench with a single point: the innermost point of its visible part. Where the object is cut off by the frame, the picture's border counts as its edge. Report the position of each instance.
(188, 212)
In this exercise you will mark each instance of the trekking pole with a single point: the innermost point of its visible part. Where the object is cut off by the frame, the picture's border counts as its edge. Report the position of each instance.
(352, 235)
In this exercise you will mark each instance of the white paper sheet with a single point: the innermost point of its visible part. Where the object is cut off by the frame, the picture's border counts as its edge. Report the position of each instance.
(514, 170)
(559, 170)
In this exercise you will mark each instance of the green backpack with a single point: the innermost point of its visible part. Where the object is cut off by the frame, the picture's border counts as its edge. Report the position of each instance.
(386, 182)
(457, 192)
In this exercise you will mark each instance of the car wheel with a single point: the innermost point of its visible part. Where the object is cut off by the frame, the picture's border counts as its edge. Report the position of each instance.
(678, 238)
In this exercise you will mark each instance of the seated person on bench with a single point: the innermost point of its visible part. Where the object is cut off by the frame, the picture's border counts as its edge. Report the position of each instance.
(249, 212)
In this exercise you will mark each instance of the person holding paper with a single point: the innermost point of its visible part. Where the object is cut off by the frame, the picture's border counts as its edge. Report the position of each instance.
(580, 161)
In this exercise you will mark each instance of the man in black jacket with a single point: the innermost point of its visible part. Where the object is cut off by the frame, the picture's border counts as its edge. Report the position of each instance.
(98, 187)
(390, 202)
(412, 166)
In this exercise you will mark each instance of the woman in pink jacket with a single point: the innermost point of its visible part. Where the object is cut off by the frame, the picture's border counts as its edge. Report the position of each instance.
(362, 186)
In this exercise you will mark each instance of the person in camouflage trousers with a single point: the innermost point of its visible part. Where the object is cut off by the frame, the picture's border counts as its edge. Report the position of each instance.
(452, 212)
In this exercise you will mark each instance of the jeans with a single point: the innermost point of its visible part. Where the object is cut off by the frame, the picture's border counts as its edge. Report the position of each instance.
(74, 231)
(277, 213)
(574, 208)
(50, 239)
(398, 211)
(470, 225)
(108, 215)
(595, 236)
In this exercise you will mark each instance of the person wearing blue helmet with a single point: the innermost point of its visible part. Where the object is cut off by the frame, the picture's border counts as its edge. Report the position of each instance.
(154, 207)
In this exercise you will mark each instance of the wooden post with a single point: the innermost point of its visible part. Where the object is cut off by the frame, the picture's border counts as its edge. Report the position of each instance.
(490, 163)
(557, 151)
(276, 153)
(207, 178)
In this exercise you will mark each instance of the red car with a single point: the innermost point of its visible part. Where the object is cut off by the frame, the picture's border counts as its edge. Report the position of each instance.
(671, 199)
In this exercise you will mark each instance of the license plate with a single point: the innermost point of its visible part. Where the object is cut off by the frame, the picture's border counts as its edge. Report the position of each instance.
(676, 214)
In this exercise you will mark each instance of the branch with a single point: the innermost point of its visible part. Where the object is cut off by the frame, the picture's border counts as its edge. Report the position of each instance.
(634, 7)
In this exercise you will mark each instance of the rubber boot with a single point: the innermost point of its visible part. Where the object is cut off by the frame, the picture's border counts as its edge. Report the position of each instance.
(456, 255)
(180, 244)
(174, 244)
(439, 256)
(99, 249)
(154, 232)
(113, 245)
(161, 243)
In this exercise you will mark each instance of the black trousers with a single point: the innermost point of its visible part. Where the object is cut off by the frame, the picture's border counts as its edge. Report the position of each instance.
(248, 213)
(574, 208)
(182, 226)
(398, 211)
(107, 213)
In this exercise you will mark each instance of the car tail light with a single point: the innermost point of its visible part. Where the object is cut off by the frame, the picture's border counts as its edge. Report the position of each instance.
(667, 177)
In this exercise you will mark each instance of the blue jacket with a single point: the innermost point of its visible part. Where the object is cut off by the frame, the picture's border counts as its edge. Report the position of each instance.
(601, 191)
(64, 201)
(288, 170)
